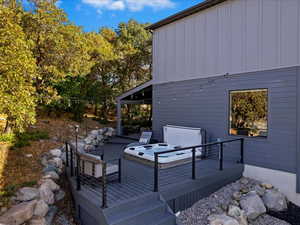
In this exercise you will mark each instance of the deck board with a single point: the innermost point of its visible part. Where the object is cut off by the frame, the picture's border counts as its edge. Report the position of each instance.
(137, 179)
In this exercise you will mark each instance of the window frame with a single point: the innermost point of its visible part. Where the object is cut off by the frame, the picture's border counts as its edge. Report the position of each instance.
(229, 113)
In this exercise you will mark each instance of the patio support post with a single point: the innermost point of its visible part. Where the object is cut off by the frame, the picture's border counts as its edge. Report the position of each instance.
(119, 117)
(71, 161)
(194, 164)
(221, 156)
(67, 155)
(242, 151)
(120, 170)
(104, 187)
(155, 172)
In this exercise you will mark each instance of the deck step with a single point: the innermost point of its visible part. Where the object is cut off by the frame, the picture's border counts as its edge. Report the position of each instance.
(147, 210)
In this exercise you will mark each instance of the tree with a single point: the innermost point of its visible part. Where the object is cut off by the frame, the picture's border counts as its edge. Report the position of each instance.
(59, 47)
(17, 70)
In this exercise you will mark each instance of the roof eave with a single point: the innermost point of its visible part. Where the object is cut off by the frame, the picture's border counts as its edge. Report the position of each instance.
(187, 12)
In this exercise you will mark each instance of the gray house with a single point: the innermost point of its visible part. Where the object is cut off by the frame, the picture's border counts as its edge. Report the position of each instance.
(232, 67)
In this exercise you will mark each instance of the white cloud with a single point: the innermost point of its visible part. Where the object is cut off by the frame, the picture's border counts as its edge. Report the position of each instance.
(132, 5)
(58, 3)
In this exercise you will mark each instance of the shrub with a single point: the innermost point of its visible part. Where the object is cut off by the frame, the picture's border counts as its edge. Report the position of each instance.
(10, 137)
(23, 139)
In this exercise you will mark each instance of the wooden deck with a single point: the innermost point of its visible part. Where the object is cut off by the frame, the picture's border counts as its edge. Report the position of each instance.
(176, 185)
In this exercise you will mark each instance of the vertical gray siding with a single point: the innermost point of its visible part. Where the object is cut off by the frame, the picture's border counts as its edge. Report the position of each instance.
(205, 103)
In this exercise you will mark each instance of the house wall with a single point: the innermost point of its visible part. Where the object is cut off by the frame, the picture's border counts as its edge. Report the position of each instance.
(236, 36)
(205, 103)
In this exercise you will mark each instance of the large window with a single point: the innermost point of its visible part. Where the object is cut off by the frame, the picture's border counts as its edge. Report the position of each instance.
(249, 113)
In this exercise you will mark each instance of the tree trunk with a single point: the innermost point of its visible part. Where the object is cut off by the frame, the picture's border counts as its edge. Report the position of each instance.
(96, 109)
(7, 128)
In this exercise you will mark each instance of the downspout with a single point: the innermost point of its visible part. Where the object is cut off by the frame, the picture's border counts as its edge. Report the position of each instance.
(298, 133)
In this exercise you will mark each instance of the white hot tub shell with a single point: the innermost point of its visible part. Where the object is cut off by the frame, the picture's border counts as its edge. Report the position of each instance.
(174, 137)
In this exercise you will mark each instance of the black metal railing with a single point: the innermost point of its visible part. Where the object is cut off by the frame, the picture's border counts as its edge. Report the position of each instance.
(193, 148)
(73, 160)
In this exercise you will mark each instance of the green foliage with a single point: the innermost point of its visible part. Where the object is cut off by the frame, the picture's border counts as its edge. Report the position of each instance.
(47, 61)
(17, 71)
(11, 189)
(7, 137)
(23, 139)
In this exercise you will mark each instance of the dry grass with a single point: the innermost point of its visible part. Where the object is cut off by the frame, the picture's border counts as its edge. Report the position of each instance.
(22, 166)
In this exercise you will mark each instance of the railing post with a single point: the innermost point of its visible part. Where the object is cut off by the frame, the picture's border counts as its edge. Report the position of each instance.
(120, 170)
(104, 187)
(67, 155)
(221, 156)
(155, 172)
(72, 162)
(242, 151)
(78, 172)
(194, 164)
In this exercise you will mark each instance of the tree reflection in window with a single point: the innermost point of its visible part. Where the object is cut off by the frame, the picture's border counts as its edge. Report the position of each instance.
(249, 112)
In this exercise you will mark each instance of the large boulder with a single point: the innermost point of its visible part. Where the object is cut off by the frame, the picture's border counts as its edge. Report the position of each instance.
(27, 194)
(46, 194)
(55, 152)
(18, 214)
(252, 205)
(222, 219)
(274, 200)
(51, 184)
(238, 214)
(36, 220)
(51, 175)
(41, 208)
(57, 162)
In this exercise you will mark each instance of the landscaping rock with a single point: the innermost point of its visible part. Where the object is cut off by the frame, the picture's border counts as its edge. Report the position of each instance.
(51, 175)
(55, 152)
(27, 194)
(18, 214)
(275, 201)
(268, 220)
(50, 168)
(237, 195)
(222, 220)
(41, 209)
(60, 195)
(36, 220)
(259, 190)
(267, 186)
(44, 161)
(252, 205)
(57, 162)
(51, 214)
(244, 181)
(110, 132)
(238, 214)
(46, 194)
(51, 184)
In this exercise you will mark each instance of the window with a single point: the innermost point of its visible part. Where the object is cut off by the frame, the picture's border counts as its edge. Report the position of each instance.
(249, 113)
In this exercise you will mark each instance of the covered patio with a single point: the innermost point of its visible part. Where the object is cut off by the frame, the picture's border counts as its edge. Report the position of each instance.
(140, 95)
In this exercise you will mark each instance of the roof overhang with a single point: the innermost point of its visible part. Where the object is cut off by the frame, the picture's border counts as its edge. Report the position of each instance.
(190, 11)
(136, 95)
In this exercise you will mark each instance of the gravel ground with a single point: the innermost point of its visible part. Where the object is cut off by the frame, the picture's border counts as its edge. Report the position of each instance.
(218, 202)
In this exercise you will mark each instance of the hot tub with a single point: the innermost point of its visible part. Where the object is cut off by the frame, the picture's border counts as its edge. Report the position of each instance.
(145, 154)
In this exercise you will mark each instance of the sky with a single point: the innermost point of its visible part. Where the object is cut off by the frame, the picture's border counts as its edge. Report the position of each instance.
(94, 14)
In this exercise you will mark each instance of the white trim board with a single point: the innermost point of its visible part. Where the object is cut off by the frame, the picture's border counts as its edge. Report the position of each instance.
(228, 74)
(285, 182)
